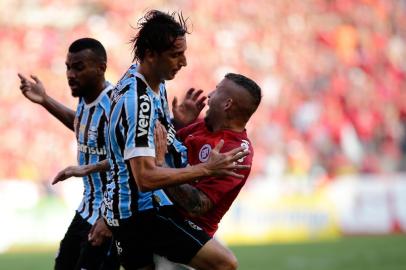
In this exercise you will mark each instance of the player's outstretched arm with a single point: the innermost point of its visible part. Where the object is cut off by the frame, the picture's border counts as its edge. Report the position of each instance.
(190, 108)
(80, 171)
(191, 199)
(34, 91)
(149, 176)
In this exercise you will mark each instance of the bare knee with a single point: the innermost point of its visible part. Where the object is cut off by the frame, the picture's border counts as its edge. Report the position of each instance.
(229, 263)
(226, 261)
(214, 256)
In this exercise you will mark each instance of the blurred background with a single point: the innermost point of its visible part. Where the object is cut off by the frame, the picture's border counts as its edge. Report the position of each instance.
(329, 136)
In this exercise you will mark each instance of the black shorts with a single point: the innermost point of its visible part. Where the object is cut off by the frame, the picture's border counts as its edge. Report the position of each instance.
(164, 232)
(76, 252)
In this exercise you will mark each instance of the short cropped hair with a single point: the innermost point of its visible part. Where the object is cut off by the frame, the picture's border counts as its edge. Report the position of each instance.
(89, 43)
(157, 32)
(252, 87)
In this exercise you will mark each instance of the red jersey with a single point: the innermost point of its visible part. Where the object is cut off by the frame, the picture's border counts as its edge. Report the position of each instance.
(221, 190)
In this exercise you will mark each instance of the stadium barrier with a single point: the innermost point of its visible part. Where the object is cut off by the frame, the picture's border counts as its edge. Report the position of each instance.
(266, 211)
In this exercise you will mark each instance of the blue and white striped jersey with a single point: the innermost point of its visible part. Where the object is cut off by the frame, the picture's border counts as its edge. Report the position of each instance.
(135, 108)
(91, 131)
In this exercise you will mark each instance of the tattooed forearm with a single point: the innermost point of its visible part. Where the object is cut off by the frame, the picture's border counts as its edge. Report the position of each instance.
(102, 166)
(190, 198)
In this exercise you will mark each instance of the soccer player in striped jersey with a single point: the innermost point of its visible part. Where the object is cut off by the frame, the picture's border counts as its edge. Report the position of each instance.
(141, 216)
(85, 67)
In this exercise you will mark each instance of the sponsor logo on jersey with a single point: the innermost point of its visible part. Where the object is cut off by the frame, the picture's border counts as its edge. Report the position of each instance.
(92, 133)
(92, 150)
(204, 153)
(144, 111)
(171, 133)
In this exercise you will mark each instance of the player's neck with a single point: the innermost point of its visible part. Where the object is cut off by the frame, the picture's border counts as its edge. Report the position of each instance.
(228, 125)
(94, 92)
(152, 81)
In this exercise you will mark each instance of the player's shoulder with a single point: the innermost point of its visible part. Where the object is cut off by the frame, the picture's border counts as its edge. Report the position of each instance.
(191, 128)
(236, 137)
(126, 82)
(108, 90)
(106, 96)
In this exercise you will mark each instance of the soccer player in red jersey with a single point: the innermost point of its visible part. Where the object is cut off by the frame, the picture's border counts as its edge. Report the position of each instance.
(231, 105)
(204, 202)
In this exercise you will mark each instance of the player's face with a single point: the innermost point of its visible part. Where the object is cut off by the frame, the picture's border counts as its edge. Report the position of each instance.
(169, 62)
(81, 72)
(217, 102)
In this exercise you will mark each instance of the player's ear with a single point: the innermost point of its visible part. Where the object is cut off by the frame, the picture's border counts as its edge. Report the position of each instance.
(228, 104)
(149, 55)
(102, 66)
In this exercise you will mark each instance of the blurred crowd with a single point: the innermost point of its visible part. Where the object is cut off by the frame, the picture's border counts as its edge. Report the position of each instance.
(332, 74)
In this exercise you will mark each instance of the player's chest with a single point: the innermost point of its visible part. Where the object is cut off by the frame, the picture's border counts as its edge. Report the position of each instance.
(199, 147)
(90, 128)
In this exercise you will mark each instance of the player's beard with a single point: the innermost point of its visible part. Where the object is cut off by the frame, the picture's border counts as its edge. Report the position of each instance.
(75, 92)
(207, 123)
(75, 88)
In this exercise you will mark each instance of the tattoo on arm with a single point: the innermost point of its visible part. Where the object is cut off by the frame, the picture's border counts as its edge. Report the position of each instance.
(190, 199)
(101, 166)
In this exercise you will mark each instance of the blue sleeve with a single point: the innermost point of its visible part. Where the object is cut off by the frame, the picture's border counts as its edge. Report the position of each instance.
(139, 122)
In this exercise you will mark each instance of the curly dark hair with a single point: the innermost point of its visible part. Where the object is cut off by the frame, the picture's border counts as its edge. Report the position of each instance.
(89, 43)
(158, 32)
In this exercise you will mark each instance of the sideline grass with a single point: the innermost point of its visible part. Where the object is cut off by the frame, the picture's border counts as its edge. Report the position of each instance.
(352, 253)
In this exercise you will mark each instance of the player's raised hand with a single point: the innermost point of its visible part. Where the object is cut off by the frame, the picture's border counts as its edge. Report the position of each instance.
(32, 89)
(160, 139)
(99, 232)
(70, 171)
(190, 108)
(226, 163)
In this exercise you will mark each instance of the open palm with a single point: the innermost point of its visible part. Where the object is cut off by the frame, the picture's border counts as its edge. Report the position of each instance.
(190, 108)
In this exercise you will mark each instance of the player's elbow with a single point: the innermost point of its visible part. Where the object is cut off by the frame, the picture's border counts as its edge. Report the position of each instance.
(144, 176)
(145, 186)
(146, 182)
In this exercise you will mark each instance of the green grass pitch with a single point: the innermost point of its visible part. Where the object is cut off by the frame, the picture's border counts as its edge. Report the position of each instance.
(352, 253)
